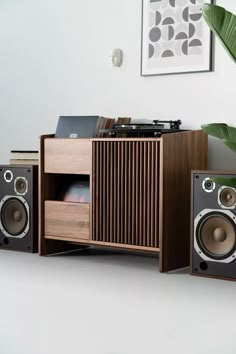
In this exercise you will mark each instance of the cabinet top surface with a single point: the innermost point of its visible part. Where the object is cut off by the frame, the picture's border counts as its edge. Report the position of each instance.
(52, 136)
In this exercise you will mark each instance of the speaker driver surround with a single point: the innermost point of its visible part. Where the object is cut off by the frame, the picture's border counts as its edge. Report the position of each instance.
(14, 216)
(21, 185)
(8, 176)
(227, 197)
(215, 235)
(208, 185)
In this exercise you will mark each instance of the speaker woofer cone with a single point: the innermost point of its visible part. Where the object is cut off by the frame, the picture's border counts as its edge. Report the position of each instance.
(216, 235)
(14, 216)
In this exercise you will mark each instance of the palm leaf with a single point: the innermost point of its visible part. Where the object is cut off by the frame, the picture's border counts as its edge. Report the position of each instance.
(221, 131)
(229, 182)
(223, 24)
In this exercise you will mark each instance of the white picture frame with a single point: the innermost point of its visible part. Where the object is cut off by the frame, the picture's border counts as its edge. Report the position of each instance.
(175, 38)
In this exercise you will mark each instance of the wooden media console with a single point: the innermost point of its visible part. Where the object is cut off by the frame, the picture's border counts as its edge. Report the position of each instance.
(139, 193)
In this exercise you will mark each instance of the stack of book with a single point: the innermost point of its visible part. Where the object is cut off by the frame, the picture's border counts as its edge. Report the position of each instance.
(24, 157)
(104, 123)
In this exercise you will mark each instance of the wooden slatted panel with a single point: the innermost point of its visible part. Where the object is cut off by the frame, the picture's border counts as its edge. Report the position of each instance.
(152, 191)
(111, 191)
(100, 215)
(156, 201)
(129, 194)
(126, 192)
(114, 197)
(137, 197)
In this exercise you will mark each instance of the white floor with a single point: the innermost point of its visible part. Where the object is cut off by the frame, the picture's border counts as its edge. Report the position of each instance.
(111, 303)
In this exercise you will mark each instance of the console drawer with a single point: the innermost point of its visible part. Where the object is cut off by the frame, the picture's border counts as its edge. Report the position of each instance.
(68, 156)
(66, 220)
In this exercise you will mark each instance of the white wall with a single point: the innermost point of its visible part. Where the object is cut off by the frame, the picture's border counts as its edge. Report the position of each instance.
(54, 60)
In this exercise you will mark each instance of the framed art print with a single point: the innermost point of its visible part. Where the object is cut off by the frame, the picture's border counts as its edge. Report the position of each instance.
(175, 37)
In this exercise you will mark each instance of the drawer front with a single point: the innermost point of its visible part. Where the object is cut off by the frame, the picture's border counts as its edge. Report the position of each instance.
(68, 156)
(66, 220)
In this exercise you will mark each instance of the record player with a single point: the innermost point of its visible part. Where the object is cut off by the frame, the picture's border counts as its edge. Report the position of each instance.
(154, 129)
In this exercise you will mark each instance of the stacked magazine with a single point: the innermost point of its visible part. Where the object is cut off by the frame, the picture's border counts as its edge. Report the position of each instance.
(24, 157)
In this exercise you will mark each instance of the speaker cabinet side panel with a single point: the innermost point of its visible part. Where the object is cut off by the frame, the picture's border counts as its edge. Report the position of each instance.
(181, 153)
(35, 204)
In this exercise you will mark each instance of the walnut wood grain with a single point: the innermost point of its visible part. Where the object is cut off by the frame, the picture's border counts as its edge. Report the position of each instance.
(105, 244)
(46, 191)
(68, 156)
(140, 191)
(180, 153)
(66, 220)
(125, 197)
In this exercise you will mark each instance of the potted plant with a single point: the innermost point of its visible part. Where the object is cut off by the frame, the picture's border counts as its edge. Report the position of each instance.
(223, 25)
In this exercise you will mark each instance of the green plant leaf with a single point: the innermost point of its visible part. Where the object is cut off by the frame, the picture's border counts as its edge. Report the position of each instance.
(220, 130)
(223, 24)
(230, 144)
(229, 182)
